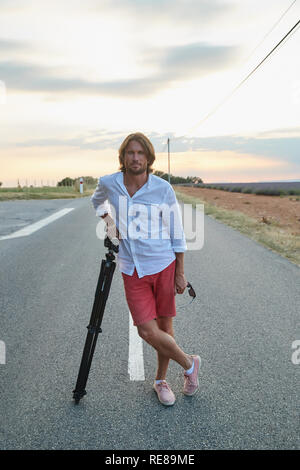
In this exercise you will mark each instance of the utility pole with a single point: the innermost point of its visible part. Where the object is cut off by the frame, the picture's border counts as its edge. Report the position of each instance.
(168, 159)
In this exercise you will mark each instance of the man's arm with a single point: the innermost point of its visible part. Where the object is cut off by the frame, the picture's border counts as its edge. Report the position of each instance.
(173, 221)
(178, 244)
(99, 200)
(179, 263)
(180, 280)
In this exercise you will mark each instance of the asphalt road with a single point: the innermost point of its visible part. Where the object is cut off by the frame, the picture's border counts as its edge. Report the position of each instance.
(242, 323)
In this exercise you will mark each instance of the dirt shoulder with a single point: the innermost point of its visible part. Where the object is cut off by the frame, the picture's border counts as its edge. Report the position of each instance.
(271, 220)
(284, 211)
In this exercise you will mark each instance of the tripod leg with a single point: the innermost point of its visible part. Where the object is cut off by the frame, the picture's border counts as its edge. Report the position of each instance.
(94, 328)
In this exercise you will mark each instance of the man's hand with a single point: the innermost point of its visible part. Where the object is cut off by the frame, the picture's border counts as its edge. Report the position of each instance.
(111, 229)
(180, 283)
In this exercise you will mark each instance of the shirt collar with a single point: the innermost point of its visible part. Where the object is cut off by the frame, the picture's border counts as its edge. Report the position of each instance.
(120, 181)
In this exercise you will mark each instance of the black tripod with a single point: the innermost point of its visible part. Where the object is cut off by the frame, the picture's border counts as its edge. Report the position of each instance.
(94, 328)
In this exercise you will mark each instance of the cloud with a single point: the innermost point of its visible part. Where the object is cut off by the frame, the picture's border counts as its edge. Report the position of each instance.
(98, 139)
(9, 45)
(10, 4)
(22, 76)
(281, 149)
(13, 6)
(281, 132)
(81, 142)
(178, 63)
(181, 12)
(190, 61)
(168, 65)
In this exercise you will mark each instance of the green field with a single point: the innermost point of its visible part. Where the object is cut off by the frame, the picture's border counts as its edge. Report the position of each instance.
(45, 192)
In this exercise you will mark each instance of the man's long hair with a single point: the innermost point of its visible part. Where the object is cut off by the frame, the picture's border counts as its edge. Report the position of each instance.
(145, 143)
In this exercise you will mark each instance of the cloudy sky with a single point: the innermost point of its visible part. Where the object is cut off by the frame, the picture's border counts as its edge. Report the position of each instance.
(77, 77)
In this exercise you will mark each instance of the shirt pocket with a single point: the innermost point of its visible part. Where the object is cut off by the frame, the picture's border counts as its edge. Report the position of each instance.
(153, 227)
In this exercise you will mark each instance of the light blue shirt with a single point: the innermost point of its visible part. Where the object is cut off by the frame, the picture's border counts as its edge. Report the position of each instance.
(149, 222)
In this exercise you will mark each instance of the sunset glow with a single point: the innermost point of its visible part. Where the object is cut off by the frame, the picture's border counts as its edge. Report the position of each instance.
(75, 81)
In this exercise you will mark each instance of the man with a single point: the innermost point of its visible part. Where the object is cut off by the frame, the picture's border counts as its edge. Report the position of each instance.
(152, 266)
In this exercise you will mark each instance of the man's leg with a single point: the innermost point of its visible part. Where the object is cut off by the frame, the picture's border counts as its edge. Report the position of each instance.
(164, 343)
(165, 324)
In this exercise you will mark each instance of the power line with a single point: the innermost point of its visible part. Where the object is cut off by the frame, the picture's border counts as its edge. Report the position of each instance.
(290, 33)
(270, 31)
(246, 78)
(259, 44)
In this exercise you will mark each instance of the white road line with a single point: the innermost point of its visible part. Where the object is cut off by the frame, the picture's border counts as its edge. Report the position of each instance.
(2, 352)
(135, 355)
(29, 229)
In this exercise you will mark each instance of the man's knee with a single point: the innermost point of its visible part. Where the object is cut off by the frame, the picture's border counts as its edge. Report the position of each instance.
(147, 332)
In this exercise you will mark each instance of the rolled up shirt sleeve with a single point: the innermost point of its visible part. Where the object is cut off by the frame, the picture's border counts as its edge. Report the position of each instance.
(174, 221)
(100, 200)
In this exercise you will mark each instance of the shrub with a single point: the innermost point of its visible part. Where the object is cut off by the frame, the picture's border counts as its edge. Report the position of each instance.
(293, 192)
(247, 190)
(269, 192)
(236, 189)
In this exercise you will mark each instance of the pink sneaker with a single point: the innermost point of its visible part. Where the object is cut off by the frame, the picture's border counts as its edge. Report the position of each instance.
(164, 393)
(191, 382)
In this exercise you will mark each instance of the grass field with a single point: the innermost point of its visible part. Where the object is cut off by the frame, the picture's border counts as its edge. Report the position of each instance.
(45, 192)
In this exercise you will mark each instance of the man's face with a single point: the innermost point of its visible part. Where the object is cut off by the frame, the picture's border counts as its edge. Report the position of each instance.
(135, 160)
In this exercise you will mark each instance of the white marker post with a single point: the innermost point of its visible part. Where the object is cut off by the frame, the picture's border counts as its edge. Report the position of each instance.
(81, 185)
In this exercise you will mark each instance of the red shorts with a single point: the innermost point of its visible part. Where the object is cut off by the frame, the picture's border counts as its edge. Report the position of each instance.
(151, 296)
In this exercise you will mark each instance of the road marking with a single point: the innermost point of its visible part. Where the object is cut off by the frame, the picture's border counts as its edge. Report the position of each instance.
(29, 229)
(135, 354)
(2, 352)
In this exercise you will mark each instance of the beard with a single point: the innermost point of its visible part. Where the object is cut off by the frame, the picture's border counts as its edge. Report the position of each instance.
(137, 171)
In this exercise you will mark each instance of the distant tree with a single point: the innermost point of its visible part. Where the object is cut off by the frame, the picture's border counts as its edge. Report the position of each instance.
(0, 183)
(178, 179)
(161, 174)
(87, 180)
(66, 182)
(158, 173)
